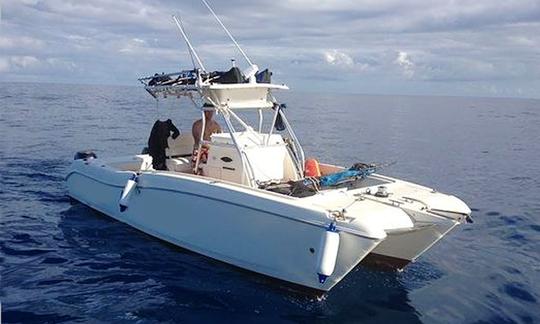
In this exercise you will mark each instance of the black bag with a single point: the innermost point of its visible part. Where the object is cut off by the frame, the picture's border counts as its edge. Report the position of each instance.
(234, 75)
(264, 76)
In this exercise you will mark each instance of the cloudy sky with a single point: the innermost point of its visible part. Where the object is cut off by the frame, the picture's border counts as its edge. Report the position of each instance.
(453, 47)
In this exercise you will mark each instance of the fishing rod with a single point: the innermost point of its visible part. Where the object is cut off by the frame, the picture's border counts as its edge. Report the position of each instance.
(228, 33)
(192, 51)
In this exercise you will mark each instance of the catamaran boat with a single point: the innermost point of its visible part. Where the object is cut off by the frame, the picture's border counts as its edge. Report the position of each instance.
(250, 198)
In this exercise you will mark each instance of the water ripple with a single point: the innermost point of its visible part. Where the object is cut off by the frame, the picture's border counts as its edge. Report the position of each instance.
(68, 263)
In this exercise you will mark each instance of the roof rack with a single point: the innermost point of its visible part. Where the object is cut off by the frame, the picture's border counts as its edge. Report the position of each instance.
(233, 95)
(177, 84)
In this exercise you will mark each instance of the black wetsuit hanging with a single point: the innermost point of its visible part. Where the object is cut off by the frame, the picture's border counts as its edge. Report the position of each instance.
(157, 143)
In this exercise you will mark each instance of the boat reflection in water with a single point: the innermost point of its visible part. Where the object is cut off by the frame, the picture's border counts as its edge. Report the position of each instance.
(171, 280)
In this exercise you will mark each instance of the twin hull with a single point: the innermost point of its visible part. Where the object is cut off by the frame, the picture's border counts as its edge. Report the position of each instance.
(258, 231)
(266, 232)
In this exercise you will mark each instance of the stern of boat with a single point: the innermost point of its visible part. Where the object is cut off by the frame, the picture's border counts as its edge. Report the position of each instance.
(434, 215)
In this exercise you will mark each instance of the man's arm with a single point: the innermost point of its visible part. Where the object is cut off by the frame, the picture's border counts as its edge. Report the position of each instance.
(196, 132)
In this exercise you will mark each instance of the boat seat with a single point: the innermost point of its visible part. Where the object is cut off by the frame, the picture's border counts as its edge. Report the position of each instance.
(180, 164)
(182, 146)
(141, 162)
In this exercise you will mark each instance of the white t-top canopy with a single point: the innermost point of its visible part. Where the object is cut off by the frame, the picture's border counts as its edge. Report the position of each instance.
(243, 95)
(240, 95)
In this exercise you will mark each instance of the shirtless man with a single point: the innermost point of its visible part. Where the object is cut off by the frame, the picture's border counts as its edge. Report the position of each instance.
(211, 127)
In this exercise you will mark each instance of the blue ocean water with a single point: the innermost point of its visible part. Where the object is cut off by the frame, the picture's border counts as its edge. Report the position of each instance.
(67, 263)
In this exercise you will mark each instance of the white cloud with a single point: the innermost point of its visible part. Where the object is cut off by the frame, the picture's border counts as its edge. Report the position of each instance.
(335, 57)
(10, 63)
(442, 44)
(404, 61)
(77, 37)
(133, 45)
(58, 63)
(23, 62)
(26, 43)
(522, 40)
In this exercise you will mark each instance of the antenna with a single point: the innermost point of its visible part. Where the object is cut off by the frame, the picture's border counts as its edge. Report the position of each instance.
(192, 51)
(227, 31)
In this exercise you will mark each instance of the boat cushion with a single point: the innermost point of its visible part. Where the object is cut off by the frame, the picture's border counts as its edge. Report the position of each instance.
(179, 164)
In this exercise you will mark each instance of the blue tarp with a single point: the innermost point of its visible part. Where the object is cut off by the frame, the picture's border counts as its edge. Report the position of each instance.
(335, 178)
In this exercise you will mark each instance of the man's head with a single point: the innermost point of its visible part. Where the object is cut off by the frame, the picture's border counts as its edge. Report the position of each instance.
(208, 114)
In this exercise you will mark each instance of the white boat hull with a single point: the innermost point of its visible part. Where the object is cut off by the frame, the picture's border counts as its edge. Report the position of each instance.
(254, 232)
(407, 246)
(434, 215)
(266, 232)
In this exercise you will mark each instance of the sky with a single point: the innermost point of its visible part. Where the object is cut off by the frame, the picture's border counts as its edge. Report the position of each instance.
(454, 47)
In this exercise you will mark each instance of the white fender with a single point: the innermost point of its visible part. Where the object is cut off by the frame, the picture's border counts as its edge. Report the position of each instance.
(126, 193)
(328, 252)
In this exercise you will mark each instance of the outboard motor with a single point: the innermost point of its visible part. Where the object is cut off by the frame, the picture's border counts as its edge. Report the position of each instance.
(328, 252)
(85, 155)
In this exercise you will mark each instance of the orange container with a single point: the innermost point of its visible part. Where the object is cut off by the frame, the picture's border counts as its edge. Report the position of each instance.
(311, 168)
